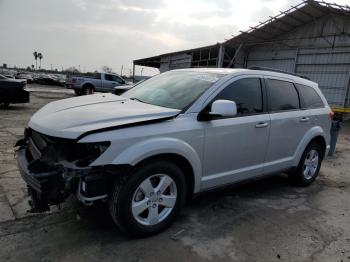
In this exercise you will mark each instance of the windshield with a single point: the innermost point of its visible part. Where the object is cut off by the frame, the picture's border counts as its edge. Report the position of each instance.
(176, 89)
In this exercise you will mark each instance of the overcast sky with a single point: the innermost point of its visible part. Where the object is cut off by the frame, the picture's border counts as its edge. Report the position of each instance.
(94, 33)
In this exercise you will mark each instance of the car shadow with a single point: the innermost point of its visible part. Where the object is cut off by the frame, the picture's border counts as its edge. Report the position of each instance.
(96, 218)
(14, 108)
(268, 186)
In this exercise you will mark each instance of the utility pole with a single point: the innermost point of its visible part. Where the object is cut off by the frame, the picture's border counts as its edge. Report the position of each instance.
(121, 71)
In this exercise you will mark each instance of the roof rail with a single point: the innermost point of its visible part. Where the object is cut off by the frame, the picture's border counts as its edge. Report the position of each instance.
(277, 70)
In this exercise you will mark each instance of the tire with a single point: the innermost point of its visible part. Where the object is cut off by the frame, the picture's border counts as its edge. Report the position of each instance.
(307, 170)
(153, 217)
(88, 90)
(4, 103)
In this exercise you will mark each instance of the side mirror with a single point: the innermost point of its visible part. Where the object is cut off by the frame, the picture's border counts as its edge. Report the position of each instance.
(223, 108)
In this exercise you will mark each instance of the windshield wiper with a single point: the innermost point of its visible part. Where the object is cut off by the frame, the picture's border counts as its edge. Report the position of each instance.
(136, 99)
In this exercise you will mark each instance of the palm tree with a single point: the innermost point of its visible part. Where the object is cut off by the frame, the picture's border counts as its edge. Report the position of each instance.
(35, 54)
(40, 56)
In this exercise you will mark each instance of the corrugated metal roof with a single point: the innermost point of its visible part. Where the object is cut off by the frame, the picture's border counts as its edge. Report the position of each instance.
(286, 21)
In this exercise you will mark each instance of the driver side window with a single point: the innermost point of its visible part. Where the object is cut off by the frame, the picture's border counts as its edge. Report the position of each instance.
(114, 78)
(118, 79)
(247, 93)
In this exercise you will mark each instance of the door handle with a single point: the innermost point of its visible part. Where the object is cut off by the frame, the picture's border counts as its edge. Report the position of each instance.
(304, 119)
(261, 125)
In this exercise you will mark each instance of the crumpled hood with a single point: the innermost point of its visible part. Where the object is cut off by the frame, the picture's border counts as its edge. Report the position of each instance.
(72, 117)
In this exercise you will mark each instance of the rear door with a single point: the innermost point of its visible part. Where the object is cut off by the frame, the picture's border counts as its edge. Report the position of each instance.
(311, 101)
(289, 123)
(235, 147)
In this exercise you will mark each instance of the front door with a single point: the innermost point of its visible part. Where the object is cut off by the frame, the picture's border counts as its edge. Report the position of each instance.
(111, 81)
(235, 147)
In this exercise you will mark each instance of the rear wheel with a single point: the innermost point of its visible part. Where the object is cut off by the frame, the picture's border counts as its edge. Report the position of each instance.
(88, 90)
(149, 200)
(309, 166)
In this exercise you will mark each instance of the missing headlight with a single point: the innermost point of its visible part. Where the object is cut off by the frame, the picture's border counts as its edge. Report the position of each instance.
(85, 153)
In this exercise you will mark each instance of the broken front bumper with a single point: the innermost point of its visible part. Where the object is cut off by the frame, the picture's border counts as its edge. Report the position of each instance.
(48, 185)
(54, 168)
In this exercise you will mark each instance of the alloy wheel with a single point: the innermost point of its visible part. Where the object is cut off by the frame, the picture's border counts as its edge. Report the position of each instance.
(310, 164)
(154, 199)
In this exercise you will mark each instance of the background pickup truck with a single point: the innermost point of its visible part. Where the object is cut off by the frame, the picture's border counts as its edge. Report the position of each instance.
(101, 82)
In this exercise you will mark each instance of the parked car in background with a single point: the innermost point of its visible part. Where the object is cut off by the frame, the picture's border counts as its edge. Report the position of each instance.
(88, 84)
(12, 91)
(49, 79)
(180, 133)
(25, 76)
(9, 76)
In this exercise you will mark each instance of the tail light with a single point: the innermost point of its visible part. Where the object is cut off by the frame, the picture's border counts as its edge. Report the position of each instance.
(331, 115)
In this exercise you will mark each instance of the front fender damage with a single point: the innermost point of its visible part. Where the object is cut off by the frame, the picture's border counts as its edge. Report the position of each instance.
(51, 178)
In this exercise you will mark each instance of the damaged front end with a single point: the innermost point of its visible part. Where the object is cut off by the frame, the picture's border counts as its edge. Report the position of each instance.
(54, 168)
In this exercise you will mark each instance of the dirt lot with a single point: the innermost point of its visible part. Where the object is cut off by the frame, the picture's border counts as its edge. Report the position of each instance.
(267, 220)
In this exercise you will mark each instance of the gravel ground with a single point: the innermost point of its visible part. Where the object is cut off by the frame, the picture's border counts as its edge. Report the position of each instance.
(267, 220)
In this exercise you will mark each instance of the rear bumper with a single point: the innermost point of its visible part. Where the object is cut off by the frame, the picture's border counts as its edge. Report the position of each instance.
(21, 97)
(72, 86)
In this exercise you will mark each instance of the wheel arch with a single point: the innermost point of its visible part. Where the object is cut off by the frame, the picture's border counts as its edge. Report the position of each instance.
(315, 134)
(179, 161)
(321, 141)
(88, 84)
(177, 151)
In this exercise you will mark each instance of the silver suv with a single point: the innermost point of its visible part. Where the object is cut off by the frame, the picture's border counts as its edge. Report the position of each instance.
(177, 134)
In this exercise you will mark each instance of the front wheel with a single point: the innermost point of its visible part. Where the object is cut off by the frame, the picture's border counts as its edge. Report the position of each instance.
(149, 200)
(78, 92)
(309, 166)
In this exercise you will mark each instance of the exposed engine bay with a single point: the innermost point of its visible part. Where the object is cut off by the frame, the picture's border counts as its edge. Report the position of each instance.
(54, 168)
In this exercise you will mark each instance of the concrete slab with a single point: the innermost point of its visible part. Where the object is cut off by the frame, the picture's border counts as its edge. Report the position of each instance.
(6, 213)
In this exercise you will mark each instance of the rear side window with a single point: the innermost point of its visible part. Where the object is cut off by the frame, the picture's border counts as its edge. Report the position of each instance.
(282, 95)
(246, 93)
(309, 97)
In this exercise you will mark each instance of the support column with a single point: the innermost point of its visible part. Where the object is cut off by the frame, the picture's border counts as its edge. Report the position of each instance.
(220, 60)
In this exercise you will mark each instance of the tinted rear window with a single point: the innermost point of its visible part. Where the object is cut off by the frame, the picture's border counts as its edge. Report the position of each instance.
(310, 98)
(282, 95)
(247, 95)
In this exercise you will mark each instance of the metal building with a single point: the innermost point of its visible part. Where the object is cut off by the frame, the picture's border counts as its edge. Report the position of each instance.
(312, 39)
